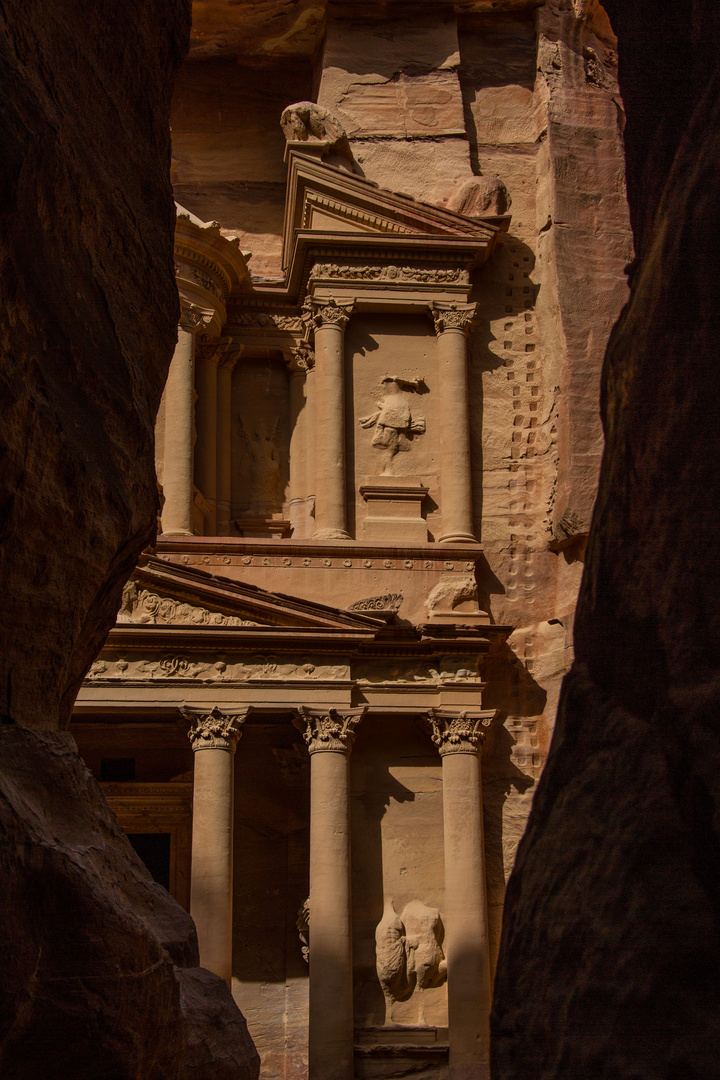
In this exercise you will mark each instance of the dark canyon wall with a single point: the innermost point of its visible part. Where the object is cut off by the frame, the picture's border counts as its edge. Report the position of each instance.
(610, 957)
(99, 965)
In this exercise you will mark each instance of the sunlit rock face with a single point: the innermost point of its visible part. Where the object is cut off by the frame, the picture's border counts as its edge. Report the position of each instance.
(611, 944)
(100, 973)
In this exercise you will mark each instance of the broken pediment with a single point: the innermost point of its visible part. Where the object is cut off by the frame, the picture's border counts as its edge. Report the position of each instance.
(164, 594)
(325, 199)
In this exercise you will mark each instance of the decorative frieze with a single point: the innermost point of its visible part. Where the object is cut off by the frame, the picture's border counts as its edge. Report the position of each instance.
(216, 667)
(265, 320)
(384, 603)
(391, 274)
(214, 730)
(328, 729)
(459, 732)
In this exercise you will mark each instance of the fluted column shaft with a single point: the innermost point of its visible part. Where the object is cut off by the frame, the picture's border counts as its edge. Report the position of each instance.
(214, 737)
(452, 324)
(459, 738)
(329, 321)
(224, 444)
(329, 737)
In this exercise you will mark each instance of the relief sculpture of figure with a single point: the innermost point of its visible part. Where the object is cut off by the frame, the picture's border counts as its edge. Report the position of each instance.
(408, 951)
(394, 422)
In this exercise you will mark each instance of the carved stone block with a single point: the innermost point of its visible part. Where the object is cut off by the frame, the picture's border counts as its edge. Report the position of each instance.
(394, 509)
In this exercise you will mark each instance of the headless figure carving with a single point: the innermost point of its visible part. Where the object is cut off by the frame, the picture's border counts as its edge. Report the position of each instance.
(408, 952)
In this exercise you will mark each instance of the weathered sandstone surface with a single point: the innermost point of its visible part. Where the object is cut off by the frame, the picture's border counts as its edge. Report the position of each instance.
(99, 966)
(611, 944)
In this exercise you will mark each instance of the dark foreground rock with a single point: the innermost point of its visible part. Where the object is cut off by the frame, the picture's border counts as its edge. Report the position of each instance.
(98, 966)
(610, 958)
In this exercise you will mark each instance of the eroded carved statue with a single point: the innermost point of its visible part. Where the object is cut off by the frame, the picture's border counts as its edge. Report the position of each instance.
(449, 593)
(394, 421)
(482, 196)
(408, 950)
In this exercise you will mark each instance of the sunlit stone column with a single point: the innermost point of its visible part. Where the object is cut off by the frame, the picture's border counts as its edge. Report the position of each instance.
(224, 441)
(329, 320)
(459, 737)
(179, 417)
(214, 735)
(329, 736)
(207, 357)
(452, 324)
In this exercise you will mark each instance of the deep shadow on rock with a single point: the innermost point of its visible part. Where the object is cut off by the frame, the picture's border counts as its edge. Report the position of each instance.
(610, 958)
(99, 965)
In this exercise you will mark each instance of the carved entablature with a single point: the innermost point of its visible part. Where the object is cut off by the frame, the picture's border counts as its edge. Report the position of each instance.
(459, 731)
(214, 729)
(208, 267)
(328, 729)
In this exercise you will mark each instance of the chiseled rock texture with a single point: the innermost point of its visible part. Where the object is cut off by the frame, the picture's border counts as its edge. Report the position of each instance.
(610, 957)
(99, 965)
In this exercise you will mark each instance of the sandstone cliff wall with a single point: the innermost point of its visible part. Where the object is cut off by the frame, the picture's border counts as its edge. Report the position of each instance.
(100, 973)
(609, 958)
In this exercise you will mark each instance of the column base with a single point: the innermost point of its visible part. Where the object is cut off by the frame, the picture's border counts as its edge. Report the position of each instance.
(331, 534)
(176, 532)
(458, 538)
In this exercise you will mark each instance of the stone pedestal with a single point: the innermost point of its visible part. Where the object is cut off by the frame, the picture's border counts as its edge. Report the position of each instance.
(214, 737)
(394, 509)
(459, 736)
(329, 735)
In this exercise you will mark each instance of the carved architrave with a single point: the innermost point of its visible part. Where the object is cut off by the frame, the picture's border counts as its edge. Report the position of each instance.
(327, 313)
(328, 729)
(214, 730)
(453, 317)
(459, 731)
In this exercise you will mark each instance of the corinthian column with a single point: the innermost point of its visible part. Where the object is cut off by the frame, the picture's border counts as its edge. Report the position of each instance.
(224, 442)
(459, 737)
(452, 324)
(329, 736)
(214, 736)
(329, 320)
(179, 416)
(208, 355)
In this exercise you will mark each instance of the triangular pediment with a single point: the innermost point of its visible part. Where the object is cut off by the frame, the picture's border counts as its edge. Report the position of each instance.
(323, 199)
(165, 594)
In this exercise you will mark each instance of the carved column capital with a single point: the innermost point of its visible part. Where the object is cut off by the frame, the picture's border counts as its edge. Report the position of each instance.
(328, 313)
(453, 317)
(193, 317)
(211, 351)
(299, 360)
(459, 731)
(328, 729)
(214, 730)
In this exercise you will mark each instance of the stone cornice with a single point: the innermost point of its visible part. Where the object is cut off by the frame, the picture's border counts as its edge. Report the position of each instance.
(459, 731)
(214, 730)
(328, 729)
